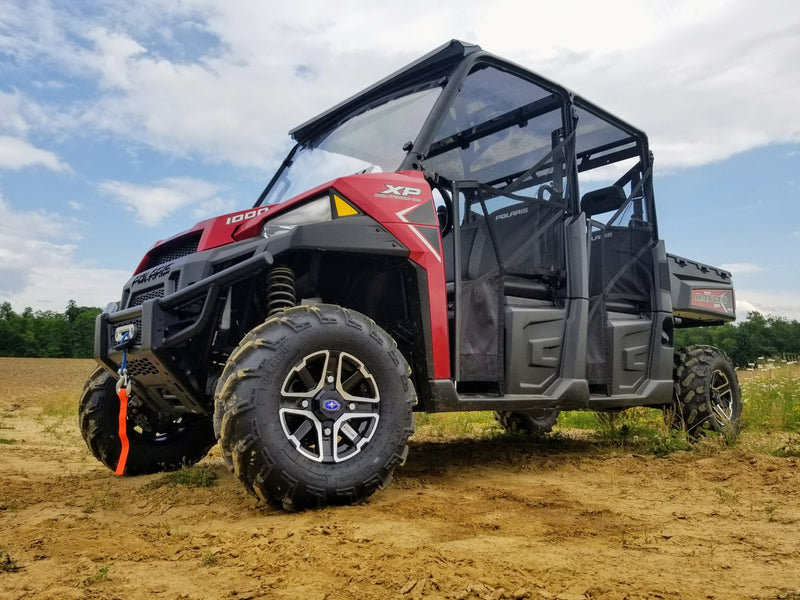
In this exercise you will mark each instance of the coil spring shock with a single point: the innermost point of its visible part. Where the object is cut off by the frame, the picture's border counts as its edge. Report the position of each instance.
(280, 290)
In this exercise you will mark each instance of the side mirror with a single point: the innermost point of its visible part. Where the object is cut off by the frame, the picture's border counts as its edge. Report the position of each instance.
(603, 200)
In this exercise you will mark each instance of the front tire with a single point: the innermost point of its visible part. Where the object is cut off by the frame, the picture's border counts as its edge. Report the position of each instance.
(314, 408)
(166, 446)
(707, 395)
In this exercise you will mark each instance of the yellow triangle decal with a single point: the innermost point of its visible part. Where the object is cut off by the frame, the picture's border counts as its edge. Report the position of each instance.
(343, 209)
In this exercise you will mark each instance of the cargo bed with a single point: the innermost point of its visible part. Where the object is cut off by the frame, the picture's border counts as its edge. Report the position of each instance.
(701, 294)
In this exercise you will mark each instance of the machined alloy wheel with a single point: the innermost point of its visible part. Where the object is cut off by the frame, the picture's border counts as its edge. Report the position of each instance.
(707, 395)
(721, 399)
(329, 406)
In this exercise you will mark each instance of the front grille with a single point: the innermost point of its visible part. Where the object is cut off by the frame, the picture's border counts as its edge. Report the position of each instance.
(139, 297)
(173, 250)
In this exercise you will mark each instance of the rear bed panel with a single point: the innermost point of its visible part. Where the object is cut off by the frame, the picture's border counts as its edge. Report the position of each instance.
(701, 294)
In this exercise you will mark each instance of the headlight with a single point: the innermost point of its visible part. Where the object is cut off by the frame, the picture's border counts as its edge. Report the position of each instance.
(315, 211)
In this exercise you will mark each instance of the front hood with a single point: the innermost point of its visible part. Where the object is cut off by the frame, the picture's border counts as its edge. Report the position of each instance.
(386, 197)
(211, 233)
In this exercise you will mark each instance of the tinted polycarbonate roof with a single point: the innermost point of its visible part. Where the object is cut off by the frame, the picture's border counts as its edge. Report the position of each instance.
(439, 63)
(435, 64)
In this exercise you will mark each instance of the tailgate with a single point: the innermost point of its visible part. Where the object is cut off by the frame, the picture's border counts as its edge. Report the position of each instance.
(701, 294)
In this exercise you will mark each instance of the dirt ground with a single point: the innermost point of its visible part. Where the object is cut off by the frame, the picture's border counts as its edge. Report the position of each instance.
(464, 519)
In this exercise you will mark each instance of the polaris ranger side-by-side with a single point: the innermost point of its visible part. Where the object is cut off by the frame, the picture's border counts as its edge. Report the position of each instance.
(462, 235)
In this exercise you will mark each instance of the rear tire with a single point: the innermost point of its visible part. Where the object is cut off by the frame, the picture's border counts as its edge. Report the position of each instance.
(707, 395)
(529, 422)
(314, 408)
(179, 443)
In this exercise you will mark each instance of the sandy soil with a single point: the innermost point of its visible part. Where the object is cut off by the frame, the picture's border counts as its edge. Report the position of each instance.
(464, 519)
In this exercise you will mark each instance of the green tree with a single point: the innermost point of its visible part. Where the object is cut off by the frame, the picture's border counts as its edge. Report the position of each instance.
(47, 333)
(82, 332)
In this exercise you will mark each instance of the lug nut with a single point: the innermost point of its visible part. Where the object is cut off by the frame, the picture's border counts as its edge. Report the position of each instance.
(304, 404)
(330, 378)
(351, 406)
(326, 431)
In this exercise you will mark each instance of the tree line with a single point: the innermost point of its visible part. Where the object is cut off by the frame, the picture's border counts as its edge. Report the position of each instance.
(749, 342)
(46, 333)
(71, 335)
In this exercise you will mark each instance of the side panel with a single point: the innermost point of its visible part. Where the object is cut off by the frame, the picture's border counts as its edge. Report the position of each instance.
(534, 343)
(629, 341)
(403, 204)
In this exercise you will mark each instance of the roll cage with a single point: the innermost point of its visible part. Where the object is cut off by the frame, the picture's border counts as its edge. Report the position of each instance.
(600, 138)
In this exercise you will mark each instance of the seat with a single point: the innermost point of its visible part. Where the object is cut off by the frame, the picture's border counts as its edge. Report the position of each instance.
(529, 262)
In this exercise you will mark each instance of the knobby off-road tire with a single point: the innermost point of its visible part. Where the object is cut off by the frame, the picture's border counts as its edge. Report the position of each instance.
(707, 396)
(180, 443)
(528, 422)
(314, 408)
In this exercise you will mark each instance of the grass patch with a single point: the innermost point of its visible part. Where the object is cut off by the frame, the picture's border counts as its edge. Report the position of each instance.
(771, 398)
(770, 509)
(187, 476)
(101, 575)
(639, 430)
(579, 419)
(209, 559)
(7, 441)
(164, 528)
(61, 405)
(105, 502)
(791, 449)
(462, 424)
(8, 564)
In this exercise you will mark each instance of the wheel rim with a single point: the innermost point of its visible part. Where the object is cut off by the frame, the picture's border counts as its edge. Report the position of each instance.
(721, 398)
(329, 406)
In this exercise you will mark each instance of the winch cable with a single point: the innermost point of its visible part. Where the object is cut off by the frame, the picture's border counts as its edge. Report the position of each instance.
(123, 387)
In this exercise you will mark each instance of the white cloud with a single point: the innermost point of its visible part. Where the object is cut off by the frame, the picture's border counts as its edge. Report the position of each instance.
(13, 121)
(213, 207)
(17, 154)
(151, 204)
(223, 82)
(20, 115)
(700, 90)
(706, 80)
(38, 267)
(742, 268)
(778, 303)
(113, 57)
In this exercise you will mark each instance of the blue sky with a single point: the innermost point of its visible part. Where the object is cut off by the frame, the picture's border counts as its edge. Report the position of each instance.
(123, 123)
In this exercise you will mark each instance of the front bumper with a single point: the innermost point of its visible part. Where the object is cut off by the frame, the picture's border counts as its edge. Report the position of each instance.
(166, 322)
(177, 306)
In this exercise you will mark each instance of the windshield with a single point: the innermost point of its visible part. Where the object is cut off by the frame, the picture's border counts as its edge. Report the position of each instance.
(371, 141)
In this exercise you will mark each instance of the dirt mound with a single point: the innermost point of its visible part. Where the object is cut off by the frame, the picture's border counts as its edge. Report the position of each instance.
(464, 519)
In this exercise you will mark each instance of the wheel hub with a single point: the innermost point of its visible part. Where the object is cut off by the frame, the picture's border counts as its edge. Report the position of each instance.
(329, 406)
